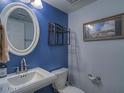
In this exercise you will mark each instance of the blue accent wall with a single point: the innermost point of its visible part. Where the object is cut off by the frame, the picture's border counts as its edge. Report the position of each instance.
(44, 56)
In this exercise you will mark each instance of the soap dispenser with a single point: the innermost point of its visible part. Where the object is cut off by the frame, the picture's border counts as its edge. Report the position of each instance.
(3, 70)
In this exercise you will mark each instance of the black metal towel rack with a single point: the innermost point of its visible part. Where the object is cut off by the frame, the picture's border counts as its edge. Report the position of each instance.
(58, 35)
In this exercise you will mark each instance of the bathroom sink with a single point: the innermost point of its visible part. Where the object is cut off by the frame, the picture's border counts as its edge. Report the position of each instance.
(26, 78)
(31, 80)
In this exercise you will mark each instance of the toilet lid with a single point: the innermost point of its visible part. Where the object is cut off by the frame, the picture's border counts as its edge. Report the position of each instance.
(71, 89)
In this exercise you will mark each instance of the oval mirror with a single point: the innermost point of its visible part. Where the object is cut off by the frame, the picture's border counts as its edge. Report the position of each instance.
(22, 28)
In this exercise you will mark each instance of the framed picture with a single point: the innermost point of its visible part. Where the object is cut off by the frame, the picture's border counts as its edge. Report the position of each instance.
(104, 29)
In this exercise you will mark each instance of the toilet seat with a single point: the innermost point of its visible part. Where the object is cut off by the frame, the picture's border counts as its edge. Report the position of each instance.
(71, 89)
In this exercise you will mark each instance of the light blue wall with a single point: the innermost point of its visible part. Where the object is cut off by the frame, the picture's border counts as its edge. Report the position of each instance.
(44, 56)
(103, 58)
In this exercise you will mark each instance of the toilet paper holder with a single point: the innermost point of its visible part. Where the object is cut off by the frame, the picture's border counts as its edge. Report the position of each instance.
(96, 79)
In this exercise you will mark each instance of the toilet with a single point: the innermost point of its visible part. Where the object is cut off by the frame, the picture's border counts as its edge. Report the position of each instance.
(60, 82)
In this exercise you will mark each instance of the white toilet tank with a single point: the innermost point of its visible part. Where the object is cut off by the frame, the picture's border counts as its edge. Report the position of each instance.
(61, 78)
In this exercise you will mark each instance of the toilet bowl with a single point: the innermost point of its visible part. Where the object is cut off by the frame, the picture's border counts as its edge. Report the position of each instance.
(61, 81)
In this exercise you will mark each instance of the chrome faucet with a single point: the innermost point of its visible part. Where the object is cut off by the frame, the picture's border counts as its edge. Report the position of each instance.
(24, 66)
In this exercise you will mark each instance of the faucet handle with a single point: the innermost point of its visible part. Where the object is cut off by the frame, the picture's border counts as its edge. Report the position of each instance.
(17, 70)
(26, 67)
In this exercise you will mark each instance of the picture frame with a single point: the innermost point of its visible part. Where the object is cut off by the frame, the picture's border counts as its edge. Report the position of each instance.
(109, 28)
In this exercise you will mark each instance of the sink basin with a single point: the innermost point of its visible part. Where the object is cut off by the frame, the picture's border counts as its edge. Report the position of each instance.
(25, 78)
(30, 81)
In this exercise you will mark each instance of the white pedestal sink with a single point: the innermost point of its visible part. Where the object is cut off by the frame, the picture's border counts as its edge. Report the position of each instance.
(29, 81)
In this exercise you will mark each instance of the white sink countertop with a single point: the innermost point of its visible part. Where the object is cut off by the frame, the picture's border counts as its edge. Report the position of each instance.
(31, 80)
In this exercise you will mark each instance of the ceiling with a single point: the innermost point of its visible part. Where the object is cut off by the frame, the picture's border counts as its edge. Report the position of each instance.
(69, 6)
(21, 14)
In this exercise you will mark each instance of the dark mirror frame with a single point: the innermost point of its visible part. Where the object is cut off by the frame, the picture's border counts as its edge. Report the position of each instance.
(95, 30)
